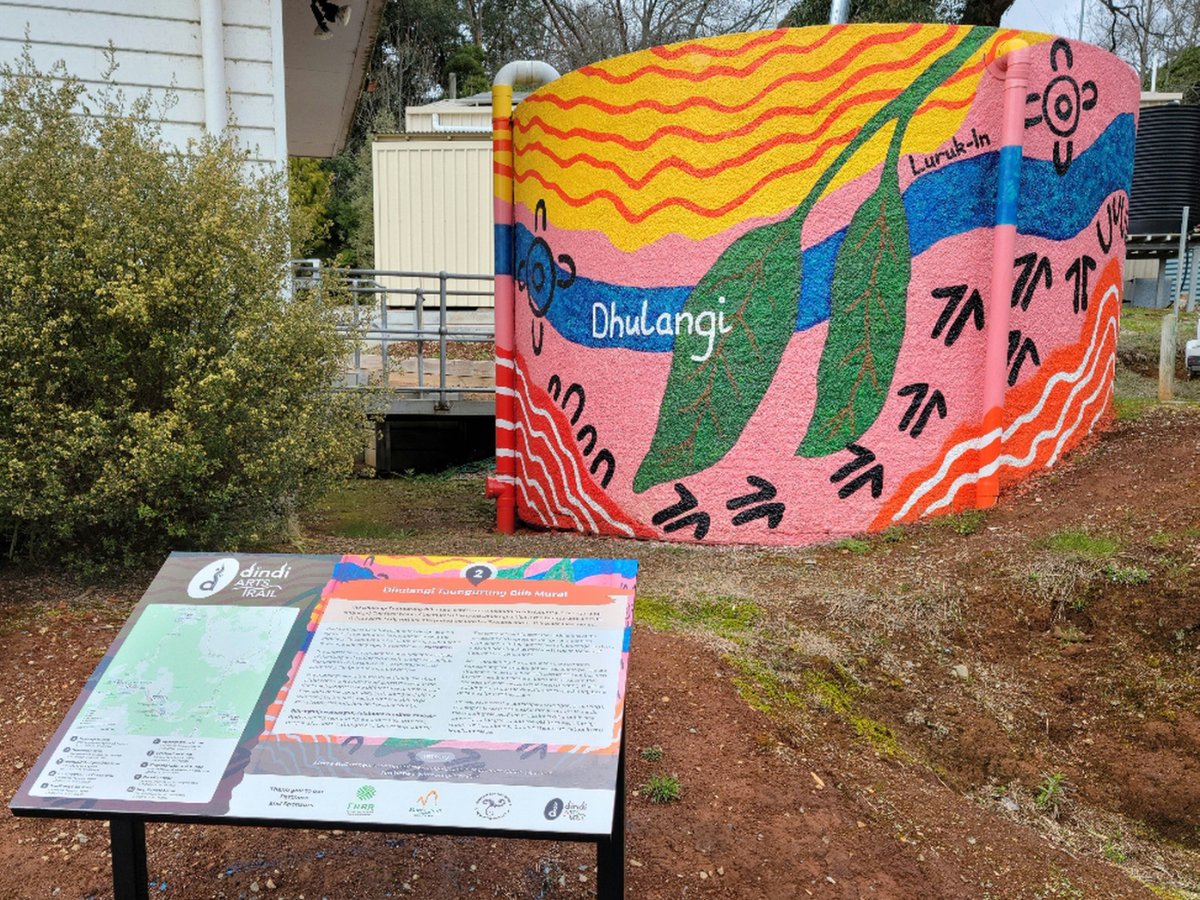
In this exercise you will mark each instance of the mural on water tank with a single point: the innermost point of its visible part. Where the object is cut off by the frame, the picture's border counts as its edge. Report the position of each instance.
(752, 278)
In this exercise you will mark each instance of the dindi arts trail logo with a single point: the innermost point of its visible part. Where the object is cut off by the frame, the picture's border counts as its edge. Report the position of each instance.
(363, 806)
(250, 581)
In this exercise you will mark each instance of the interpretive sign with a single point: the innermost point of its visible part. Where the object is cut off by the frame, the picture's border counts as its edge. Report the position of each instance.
(415, 692)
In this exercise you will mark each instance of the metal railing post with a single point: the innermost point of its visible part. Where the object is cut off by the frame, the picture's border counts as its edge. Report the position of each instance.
(442, 404)
(420, 337)
(383, 341)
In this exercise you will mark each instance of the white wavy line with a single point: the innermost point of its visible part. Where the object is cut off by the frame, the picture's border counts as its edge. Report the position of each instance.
(505, 479)
(958, 450)
(557, 505)
(505, 452)
(582, 494)
(1031, 456)
(505, 424)
(523, 486)
(505, 363)
(1063, 439)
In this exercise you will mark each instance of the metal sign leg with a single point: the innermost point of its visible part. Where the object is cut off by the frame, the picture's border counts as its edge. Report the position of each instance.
(131, 878)
(610, 851)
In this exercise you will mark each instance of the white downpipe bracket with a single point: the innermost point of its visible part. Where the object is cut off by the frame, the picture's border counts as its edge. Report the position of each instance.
(526, 71)
(212, 48)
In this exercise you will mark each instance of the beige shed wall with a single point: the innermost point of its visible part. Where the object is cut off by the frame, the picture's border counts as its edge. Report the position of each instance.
(433, 208)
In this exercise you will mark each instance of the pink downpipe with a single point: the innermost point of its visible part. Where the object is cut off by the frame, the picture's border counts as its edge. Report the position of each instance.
(502, 488)
(1015, 65)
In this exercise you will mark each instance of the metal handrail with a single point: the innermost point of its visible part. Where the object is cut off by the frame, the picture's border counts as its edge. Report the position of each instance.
(373, 321)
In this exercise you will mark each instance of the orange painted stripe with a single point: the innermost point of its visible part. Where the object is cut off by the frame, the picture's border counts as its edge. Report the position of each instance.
(679, 51)
(633, 217)
(674, 163)
(874, 40)
(944, 104)
(502, 145)
(817, 106)
(700, 101)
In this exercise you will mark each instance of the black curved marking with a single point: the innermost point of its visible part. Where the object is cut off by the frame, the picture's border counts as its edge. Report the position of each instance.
(937, 403)
(604, 457)
(554, 388)
(356, 741)
(687, 502)
(772, 512)
(537, 337)
(766, 491)
(1078, 273)
(872, 476)
(570, 264)
(1062, 165)
(575, 388)
(1027, 350)
(1090, 103)
(699, 519)
(590, 433)
(540, 210)
(973, 308)
(1061, 46)
(1033, 270)
(917, 391)
(862, 457)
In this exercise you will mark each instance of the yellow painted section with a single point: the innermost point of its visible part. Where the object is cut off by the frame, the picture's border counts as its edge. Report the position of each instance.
(693, 138)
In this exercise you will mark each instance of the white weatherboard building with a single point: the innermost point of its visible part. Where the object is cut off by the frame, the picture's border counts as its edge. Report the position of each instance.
(252, 64)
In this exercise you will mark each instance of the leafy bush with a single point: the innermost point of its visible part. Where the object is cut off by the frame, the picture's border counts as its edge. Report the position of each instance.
(158, 389)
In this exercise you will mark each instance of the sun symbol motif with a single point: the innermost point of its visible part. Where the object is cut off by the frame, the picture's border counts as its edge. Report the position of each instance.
(1062, 102)
(539, 276)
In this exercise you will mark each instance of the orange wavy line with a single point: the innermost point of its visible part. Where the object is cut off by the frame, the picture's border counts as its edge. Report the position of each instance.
(750, 68)
(835, 67)
(681, 131)
(690, 48)
(944, 104)
(708, 212)
(675, 163)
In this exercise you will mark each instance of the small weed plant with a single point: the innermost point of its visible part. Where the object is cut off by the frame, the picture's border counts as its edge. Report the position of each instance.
(662, 788)
(1128, 575)
(652, 754)
(1051, 795)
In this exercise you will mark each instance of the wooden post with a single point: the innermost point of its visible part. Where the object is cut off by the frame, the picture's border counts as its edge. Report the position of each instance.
(1166, 358)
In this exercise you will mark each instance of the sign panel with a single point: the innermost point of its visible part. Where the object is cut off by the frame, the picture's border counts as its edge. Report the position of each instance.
(408, 691)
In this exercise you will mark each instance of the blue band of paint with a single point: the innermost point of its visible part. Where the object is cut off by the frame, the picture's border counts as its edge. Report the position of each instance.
(1009, 185)
(502, 236)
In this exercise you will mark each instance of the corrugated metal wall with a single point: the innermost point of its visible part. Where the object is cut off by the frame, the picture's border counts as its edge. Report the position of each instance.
(433, 206)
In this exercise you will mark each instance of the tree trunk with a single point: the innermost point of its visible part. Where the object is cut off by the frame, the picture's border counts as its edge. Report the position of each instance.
(984, 12)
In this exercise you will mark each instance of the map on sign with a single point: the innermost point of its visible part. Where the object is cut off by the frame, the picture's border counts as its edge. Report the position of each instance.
(166, 714)
(188, 671)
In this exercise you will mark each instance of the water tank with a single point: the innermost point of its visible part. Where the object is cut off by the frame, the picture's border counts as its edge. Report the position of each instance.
(1166, 170)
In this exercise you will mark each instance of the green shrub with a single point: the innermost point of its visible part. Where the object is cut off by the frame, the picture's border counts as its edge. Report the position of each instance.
(158, 389)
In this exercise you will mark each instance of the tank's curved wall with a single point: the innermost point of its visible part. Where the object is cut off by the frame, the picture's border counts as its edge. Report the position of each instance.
(753, 275)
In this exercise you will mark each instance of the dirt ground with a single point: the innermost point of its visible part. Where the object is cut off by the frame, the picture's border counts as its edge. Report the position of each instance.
(996, 705)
